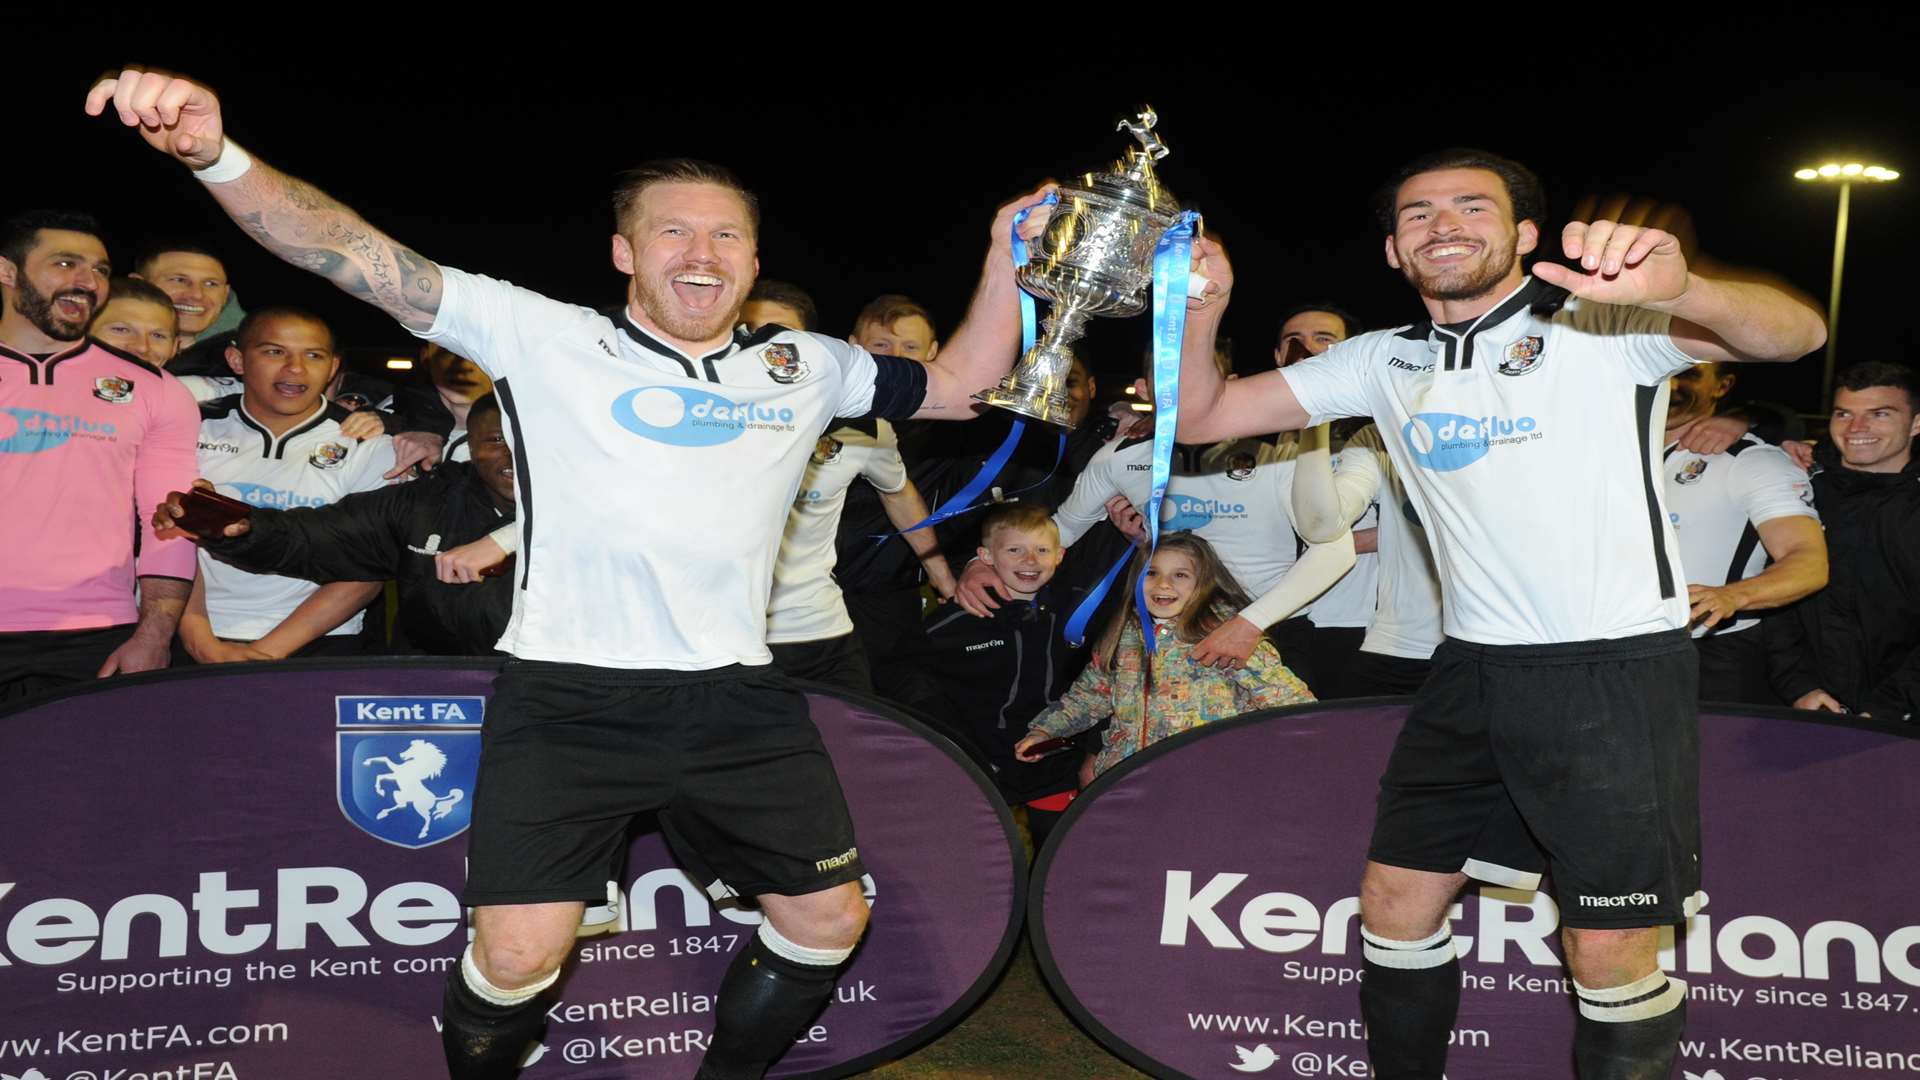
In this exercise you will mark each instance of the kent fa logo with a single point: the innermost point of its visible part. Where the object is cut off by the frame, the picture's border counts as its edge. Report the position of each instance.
(1523, 356)
(1694, 471)
(113, 389)
(407, 765)
(784, 365)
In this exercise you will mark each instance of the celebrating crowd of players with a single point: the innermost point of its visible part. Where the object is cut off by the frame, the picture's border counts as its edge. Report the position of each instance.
(1579, 560)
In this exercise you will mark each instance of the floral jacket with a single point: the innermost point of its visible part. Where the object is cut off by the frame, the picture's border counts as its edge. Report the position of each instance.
(1185, 694)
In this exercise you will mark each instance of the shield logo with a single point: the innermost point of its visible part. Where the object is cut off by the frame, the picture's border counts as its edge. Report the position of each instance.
(1695, 470)
(327, 456)
(1523, 356)
(826, 451)
(112, 388)
(407, 765)
(1241, 466)
(783, 362)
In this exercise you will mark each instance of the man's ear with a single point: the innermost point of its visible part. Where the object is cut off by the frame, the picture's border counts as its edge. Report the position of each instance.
(1393, 260)
(622, 254)
(1726, 386)
(933, 350)
(985, 555)
(235, 360)
(9, 273)
(1528, 239)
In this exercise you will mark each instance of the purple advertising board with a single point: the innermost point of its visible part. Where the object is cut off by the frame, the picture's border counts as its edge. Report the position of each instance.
(1197, 908)
(251, 872)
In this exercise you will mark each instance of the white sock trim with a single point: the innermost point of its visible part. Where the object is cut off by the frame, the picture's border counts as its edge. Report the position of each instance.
(1434, 950)
(1602, 1004)
(778, 944)
(488, 992)
(1501, 875)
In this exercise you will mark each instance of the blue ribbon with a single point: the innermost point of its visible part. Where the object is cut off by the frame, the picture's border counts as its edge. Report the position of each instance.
(962, 500)
(1172, 262)
(1077, 623)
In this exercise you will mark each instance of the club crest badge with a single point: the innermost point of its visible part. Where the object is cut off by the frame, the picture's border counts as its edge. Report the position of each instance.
(784, 365)
(1523, 356)
(407, 765)
(827, 450)
(1240, 466)
(113, 389)
(352, 402)
(1694, 471)
(329, 455)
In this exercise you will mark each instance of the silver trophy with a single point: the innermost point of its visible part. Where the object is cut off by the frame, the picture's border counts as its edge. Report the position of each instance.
(1096, 258)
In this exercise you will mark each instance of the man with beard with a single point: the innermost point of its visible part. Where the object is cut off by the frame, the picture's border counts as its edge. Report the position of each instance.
(397, 531)
(1561, 706)
(1750, 538)
(86, 433)
(643, 680)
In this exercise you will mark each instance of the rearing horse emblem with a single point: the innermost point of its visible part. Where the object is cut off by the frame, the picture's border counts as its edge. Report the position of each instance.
(407, 765)
(420, 762)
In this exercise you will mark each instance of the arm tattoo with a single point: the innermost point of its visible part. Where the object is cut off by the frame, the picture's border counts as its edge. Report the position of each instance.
(311, 230)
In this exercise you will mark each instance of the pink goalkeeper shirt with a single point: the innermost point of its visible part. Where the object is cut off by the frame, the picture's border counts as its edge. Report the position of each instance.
(91, 439)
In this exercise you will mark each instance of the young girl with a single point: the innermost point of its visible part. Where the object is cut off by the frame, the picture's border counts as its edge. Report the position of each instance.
(1189, 593)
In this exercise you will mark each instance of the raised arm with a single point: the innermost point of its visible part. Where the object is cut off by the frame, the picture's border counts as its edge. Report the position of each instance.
(988, 341)
(1719, 313)
(288, 216)
(1213, 407)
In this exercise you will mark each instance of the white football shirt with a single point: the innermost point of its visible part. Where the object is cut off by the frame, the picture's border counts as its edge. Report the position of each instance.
(652, 487)
(1715, 500)
(311, 465)
(806, 603)
(1529, 442)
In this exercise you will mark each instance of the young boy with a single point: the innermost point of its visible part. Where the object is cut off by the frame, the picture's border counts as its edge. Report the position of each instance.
(982, 679)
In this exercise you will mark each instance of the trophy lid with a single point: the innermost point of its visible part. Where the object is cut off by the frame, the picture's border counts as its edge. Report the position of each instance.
(1132, 178)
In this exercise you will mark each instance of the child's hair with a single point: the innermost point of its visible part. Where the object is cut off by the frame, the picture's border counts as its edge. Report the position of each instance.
(1027, 517)
(1217, 597)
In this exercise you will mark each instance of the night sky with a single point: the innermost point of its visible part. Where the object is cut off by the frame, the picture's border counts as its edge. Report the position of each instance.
(880, 152)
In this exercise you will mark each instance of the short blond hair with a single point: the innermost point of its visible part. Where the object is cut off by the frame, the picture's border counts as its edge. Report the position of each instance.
(1027, 517)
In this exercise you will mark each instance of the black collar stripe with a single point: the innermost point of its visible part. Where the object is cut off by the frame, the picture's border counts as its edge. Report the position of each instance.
(127, 356)
(322, 417)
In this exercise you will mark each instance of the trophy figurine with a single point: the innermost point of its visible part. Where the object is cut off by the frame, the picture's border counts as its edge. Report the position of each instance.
(1095, 258)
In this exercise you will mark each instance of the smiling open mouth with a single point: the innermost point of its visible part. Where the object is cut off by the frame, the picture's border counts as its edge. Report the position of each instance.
(1448, 252)
(289, 389)
(698, 291)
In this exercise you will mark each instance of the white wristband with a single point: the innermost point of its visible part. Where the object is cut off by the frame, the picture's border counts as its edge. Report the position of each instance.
(507, 536)
(231, 165)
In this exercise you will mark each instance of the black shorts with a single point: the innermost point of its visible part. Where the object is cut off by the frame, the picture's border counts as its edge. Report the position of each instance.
(571, 755)
(1583, 757)
(1371, 674)
(839, 661)
(36, 661)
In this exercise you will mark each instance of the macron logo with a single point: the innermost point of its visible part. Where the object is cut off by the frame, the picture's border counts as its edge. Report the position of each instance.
(1638, 899)
(986, 645)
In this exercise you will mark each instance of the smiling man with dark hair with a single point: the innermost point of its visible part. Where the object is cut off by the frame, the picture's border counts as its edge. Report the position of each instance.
(1558, 727)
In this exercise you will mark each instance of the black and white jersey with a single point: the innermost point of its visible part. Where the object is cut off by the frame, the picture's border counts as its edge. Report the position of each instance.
(1237, 495)
(1529, 442)
(1406, 616)
(653, 487)
(806, 603)
(311, 465)
(1715, 501)
(211, 388)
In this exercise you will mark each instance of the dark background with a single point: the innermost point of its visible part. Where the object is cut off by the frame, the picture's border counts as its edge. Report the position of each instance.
(881, 149)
